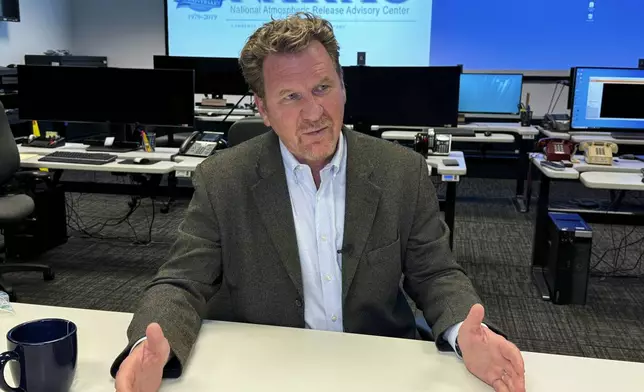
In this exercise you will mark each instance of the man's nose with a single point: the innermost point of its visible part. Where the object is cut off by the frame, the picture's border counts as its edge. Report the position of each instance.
(312, 110)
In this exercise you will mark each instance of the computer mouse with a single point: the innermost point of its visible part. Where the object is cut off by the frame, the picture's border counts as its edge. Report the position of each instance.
(488, 133)
(141, 161)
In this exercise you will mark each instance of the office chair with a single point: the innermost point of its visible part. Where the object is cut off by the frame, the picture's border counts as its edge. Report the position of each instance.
(246, 129)
(15, 207)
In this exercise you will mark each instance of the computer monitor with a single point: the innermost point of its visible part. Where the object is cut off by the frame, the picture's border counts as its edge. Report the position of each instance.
(66, 61)
(490, 93)
(402, 96)
(213, 75)
(606, 99)
(114, 95)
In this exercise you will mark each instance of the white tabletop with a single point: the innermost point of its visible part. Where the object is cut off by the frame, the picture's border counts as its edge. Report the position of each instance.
(482, 127)
(580, 136)
(618, 166)
(214, 111)
(481, 138)
(220, 118)
(436, 161)
(606, 180)
(603, 136)
(160, 153)
(163, 167)
(184, 165)
(554, 134)
(245, 357)
(567, 174)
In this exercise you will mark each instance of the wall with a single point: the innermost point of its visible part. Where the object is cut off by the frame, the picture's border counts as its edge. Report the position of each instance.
(128, 32)
(540, 96)
(44, 25)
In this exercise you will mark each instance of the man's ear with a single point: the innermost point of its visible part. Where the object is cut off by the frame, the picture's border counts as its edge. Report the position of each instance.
(262, 110)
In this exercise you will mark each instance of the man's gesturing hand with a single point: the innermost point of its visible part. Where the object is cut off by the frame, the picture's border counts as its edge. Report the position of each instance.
(142, 370)
(489, 356)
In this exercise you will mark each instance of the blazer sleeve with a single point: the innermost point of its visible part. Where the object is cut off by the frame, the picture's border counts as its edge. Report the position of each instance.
(176, 298)
(432, 277)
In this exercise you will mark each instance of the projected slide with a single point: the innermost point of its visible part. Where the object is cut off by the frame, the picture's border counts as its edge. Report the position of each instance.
(506, 35)
(537, 35)
(391, 32)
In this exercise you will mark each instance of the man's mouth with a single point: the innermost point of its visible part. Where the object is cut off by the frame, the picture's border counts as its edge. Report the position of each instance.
(315, 132)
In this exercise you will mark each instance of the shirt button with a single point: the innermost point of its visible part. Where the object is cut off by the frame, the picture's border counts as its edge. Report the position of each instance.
(323, 238)
(328, 277)
(334, 318)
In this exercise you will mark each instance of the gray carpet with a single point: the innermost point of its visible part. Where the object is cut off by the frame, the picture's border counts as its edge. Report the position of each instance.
(492, 242)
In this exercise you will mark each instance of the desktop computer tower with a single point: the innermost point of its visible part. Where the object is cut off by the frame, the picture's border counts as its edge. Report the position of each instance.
(44, 230)
(568, 269)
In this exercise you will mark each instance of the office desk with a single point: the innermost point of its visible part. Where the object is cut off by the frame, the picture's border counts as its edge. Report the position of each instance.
(160, 153)
(477, 138)
(592, 179)
(224, 111)
(112, 167)
(451, 176)
(246, 357)
(580, 136)
(618, 181)
(185, 166)
(604, 136)
(220, 118)
(522, 137)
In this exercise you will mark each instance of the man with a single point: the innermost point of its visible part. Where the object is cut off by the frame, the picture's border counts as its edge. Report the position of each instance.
(311, 225)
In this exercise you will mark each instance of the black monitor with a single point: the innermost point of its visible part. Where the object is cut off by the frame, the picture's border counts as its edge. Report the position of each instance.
(213, 75)
(66, 61)
(608, 99)
(9, 11)
(402, 96)
(114, 95)
(492, 93)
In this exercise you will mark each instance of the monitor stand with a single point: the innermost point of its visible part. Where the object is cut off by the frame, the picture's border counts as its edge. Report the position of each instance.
(125, 139)
(627, 135)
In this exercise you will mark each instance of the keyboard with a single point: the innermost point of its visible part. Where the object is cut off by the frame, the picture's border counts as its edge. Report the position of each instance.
(83, 158)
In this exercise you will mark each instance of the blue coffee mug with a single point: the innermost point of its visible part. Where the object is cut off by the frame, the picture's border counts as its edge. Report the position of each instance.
(42, 356)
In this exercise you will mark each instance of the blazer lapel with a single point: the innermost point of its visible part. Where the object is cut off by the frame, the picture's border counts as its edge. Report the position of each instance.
(274, 205)
(361, 204)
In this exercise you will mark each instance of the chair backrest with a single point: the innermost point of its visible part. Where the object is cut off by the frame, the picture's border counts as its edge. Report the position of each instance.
(9, 155)
(246, 129)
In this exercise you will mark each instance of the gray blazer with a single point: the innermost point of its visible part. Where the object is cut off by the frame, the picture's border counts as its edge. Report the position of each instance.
(239, 232)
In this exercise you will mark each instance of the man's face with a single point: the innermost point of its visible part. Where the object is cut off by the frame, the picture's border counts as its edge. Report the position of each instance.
(304, 102)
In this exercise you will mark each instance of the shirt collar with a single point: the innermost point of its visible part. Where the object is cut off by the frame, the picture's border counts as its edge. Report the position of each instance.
(291, 163)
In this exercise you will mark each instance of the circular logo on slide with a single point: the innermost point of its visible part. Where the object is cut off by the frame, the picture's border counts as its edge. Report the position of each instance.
(199, 5)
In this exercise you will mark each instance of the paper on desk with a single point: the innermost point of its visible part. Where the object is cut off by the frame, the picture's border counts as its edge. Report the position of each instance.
(24, 157)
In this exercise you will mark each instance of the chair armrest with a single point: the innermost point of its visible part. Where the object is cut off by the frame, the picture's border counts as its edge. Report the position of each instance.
(21, 139)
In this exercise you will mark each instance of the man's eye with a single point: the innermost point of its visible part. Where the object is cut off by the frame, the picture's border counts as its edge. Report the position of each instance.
(322, 88)
(293, 96)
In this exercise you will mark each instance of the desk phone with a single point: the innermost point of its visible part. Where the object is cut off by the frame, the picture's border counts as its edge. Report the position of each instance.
(202, 144)
(430, 143)
(598, 153)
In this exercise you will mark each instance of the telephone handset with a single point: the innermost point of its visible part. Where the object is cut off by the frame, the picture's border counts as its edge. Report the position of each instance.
(202, 144)
(598, 153)
(556, 149)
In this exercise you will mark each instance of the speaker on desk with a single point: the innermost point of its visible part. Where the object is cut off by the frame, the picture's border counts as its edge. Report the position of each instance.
(568, 270)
